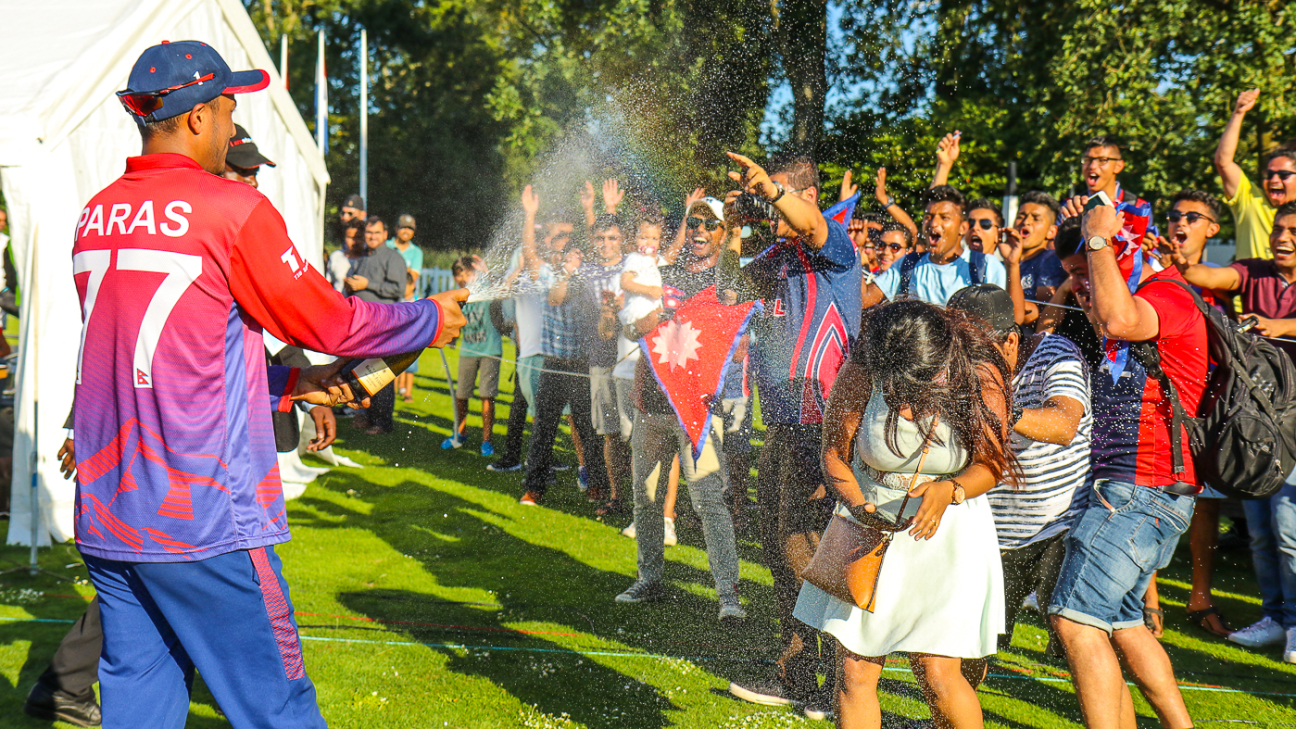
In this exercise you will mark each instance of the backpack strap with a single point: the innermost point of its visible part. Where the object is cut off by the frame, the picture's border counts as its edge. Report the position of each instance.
(907, 266)
(977, 266)
(1149, 355)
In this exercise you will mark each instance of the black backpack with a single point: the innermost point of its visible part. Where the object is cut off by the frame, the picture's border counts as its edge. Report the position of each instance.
(1244, 442)
(977, 266)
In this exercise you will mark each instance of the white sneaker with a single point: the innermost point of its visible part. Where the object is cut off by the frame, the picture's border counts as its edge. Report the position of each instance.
(1289, 653)
(1266, 632)
(629, 531)
(670, 540)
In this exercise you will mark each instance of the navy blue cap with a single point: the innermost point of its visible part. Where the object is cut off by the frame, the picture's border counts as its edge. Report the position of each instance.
(170, 79)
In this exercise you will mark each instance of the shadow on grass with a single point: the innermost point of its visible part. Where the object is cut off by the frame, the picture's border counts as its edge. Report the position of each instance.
(464, 545)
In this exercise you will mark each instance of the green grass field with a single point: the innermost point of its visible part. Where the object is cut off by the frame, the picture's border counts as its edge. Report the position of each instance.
(427, 597)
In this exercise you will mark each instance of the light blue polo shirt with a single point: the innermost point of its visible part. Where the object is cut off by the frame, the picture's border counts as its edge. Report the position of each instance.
(934, 283)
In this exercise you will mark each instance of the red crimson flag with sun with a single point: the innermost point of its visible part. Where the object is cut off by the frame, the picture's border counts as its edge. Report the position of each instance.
(689, 356)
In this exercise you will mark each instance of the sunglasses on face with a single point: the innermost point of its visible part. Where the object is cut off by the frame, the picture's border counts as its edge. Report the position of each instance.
(143, 103)
(1283, 175)
(1175, 216)
(893, 247)
(985, 223)
(709, 223)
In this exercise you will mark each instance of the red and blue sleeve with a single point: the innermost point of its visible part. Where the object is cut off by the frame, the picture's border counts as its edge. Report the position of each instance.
(292, 301)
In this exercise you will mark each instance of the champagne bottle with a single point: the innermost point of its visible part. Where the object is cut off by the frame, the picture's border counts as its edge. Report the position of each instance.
(367, 376)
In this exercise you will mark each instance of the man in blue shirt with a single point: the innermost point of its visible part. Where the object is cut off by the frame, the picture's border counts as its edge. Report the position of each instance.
(810, 283)
(947, 266)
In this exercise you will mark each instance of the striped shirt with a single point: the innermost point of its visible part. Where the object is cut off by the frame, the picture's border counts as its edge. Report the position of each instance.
(1050, 495)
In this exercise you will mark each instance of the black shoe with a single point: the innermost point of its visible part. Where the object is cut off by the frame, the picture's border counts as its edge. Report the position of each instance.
(641, 591)
(502, 466)
(51, 705)
(766, 691)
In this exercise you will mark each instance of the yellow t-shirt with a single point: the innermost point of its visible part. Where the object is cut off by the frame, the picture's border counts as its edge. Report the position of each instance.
(1254, 218)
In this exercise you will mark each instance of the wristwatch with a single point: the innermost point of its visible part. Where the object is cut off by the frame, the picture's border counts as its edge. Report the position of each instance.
(779, 196)
(889, 203)
(959, 494)
(1097, 243)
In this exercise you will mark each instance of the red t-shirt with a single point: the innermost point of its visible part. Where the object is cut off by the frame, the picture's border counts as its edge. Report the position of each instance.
(1131, 434)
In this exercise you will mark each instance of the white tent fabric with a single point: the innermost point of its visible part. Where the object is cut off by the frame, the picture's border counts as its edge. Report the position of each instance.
(63, 137)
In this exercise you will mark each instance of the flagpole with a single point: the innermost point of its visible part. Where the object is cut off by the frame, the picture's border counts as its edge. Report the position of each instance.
(364, 115)
(321, 99)
(283, 58)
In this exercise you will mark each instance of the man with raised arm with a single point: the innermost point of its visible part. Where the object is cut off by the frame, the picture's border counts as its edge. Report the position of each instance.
(810, 283)
(179, 503)
(1253, 210)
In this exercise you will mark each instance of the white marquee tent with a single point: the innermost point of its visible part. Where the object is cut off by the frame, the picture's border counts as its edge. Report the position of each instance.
(63, 137)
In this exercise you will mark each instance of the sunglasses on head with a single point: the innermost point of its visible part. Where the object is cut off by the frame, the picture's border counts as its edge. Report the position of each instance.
(709, 223)
(1175, 216)
(144, 103)
(985, 223)
(1283, 175)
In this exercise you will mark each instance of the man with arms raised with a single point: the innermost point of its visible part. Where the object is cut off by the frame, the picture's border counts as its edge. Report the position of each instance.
(1253, 210)
(810, 283)
(947, 266)
(179, 503)
(1142, 495)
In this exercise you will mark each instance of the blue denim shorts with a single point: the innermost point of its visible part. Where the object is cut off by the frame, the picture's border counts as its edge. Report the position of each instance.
(1125, 534)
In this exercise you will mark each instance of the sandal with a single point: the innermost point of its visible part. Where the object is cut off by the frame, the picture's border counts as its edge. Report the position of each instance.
(610, 507)
(1150, 618)
(1219, 626)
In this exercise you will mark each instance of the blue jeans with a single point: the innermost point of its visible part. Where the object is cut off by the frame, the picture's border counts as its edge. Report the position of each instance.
(1272, 523)
(1125, 533)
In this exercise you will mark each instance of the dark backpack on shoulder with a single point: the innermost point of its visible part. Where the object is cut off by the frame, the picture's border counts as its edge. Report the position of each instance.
(977, 266)
(1244, 442)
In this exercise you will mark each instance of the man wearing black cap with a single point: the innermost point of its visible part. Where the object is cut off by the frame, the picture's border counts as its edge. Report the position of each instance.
(353, 208)
(179, 502)
(243, 158)
(1051, 429)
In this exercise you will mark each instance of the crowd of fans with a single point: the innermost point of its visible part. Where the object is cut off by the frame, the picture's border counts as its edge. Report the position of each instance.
(1006, 352)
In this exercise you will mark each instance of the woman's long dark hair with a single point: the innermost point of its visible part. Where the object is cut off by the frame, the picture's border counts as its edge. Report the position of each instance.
(930, 358)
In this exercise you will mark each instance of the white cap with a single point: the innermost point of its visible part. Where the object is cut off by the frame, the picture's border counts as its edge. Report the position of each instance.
(715, 206)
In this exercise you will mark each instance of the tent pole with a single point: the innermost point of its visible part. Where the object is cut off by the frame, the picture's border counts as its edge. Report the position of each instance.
(364, 115)
(34, 289)
(283, 58)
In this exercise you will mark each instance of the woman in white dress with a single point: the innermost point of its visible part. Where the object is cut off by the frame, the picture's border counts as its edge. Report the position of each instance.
(918, 374)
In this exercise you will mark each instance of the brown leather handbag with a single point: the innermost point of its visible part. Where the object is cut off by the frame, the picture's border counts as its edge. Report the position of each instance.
(849, 557)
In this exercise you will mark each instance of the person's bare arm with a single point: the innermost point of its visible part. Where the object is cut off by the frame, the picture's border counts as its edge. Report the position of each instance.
(1229, 171)
(871, 295)
(630, 286)
(612, 196)
(1010, 249)
(1224, 278)
(846, 407)
(1275, 327)
(587, 203)
(892, 208)
(672, 251)
(530, 206)
(947, 153)
(1118, 313)
(801, 215)
(1055, 422)
(848, 188)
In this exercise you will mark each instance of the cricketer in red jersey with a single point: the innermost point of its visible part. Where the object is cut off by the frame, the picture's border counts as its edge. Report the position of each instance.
(179, 502)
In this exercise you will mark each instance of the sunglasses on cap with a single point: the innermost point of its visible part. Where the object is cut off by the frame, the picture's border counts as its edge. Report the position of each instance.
(1283, 175)
(144, 103)
(1175, 216)
(709, 223)
(985, 223)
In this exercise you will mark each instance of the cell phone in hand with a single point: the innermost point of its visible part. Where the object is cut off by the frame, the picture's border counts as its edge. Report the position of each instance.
(1096, 199)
